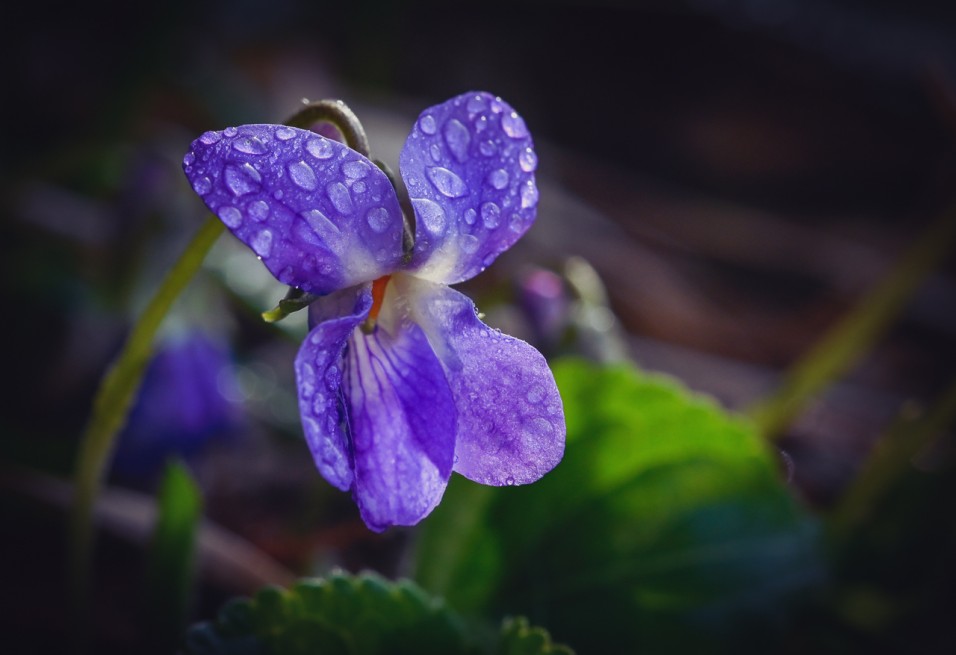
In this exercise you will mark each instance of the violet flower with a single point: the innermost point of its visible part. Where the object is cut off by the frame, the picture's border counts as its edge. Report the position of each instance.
(399, 381)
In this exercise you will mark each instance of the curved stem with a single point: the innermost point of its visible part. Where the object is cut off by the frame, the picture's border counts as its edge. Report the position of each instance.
(338, 114)
(110, 409)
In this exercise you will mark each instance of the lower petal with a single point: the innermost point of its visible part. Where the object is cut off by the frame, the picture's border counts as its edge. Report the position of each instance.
(318, 371)
(402, 422)
(511, 426)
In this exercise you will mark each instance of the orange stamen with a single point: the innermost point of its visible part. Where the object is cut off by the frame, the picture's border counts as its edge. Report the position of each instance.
(378, 295)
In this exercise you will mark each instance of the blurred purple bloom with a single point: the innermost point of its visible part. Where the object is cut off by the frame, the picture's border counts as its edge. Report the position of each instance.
(399, 381)
(180, 407)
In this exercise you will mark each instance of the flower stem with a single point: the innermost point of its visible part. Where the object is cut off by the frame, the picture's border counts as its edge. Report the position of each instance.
(110, 409)
(338, 114)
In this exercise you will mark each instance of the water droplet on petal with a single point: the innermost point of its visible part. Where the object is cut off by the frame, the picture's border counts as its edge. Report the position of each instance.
(202, 186)
(529, 195)
(427, 124)
(458, 138)
(475, 104)
(355, 170)
(528, 160)
(514, 126)
(259, 210)
(242, 179)
(277, 194)
(324, 228)
(231, 216)
(358, 186)
(340, 197)
(210, 138)
(498, 178)
(250, 145)
(447, 183)
(378, 219)
(490, 214)
(487, 148)
(189, 159)
(470, 216)
(284, 133)
(535, 394)
(303, 176)
(431, 215)
(230, 131)
(468, 243)
(262, 243)
(319, 147)
(318, 403)
(510, 481)
(497, 105)
(435, 152)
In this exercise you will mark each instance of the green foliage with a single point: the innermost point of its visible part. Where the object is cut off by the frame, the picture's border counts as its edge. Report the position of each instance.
(666, 527)
(357, 616)
(171, 560)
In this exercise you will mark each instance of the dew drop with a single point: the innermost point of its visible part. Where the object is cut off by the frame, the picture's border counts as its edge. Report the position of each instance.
(230, 131)
(528, 160)
(358, 187)
(475, 104)
(483, 333)
(277, 194)
(487, 148)
(431, 215)
(231, 216)
(340, 197)
(189, 159)
(318, 404)
(470, 216)
(258, 210)
(242, 179)
(210, 138)
(498, 178)
(535, 394)
(303, 176)
(458, 138)
(262, 243)
(529, 195)
(490, 214)
(514, 126)
(435, 152)
(510, 481)
(319, 147)
(250, 145)
(202, 186)
(284, 133)
(427, 124)
(355, 170)
(497, 105)
(447, 183)
(322, 226)
(378, 219)
(468, 243)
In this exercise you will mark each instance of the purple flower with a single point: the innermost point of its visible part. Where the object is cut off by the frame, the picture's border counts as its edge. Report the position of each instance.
(399, 381)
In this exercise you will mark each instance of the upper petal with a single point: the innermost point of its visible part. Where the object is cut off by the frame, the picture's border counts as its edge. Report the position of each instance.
(469, 167)
(511, 426)
(320, 216)
(402, 423)
(318, 371)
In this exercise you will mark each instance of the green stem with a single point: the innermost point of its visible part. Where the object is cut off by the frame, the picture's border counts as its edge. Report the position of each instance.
(337, 113)
(856, 333)
(110, 408)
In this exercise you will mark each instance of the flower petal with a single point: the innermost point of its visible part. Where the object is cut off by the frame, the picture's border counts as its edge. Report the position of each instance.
(318, 371)
(511, 426)
(402, 422)
(469, 167)
(320, 215)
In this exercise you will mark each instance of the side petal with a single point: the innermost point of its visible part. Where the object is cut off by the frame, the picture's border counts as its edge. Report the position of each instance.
(511, 426)
(469, 167)
(318, 214)
(318, 370)
(402, 422)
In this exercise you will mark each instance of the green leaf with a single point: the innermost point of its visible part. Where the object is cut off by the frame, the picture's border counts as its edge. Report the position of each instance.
(171, 558)
(665, 526)
(360, 615)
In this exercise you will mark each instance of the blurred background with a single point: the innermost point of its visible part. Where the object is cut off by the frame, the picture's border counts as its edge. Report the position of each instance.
(736, 174)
